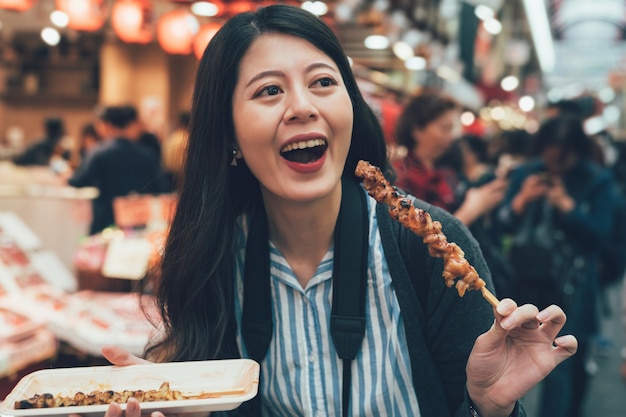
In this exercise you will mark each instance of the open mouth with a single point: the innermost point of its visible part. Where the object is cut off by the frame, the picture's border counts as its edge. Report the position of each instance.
(304, 152)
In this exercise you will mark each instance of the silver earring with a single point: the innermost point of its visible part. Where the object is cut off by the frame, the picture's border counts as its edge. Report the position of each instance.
(233, 162)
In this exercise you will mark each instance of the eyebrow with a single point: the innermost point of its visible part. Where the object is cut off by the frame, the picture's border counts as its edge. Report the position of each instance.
(277, 73)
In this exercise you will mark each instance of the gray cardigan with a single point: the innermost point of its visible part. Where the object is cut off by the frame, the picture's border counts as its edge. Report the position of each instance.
(440, 326)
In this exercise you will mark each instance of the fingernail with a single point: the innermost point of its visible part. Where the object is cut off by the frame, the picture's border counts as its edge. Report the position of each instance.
(543, 316)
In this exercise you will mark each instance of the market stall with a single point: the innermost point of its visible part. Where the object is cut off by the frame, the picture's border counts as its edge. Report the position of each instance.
(48, 319)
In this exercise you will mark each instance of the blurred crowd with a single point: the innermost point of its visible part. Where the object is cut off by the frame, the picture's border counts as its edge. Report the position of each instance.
(546, 207)
(114, 153)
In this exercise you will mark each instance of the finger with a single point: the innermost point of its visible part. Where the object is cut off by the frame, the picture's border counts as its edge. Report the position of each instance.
(113, 410)
(520, 316)
(157, 414)
(553, 319)
(132, 408)
(505, 307)
(119, 356)
(566, 346)
(496, 334)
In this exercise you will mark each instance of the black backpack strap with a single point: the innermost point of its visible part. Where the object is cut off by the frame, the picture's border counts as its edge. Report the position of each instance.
(347, 323)
(256, 321)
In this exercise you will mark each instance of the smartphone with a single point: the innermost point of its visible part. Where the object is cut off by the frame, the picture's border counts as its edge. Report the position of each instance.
(545, 178)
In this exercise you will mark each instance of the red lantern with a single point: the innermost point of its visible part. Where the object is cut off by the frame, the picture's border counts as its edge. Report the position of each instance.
(132, 20)
(84, 15)
(242, 6)
(16, 5)
(204, 36)
(176, 31)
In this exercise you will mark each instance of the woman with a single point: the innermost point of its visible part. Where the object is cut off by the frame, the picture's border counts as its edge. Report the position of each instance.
(426, 129)
(561, 188)
(271, 82)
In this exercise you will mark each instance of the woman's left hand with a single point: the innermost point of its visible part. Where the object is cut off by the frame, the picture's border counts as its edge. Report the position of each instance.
(515, 354)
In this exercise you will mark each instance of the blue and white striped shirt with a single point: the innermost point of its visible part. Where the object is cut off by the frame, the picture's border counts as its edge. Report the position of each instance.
(302, 374)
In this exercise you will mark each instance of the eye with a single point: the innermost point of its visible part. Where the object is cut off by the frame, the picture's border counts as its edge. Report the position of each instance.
(269, 90)
(325, 82)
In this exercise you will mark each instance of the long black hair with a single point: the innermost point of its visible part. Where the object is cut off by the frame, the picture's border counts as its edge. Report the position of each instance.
(194, 292)
(566, 132)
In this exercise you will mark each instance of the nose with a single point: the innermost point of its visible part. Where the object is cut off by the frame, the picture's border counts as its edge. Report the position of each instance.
(300, 108)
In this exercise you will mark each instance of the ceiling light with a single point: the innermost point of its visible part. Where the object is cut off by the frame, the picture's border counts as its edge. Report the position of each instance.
(204, 8)
(537, 17)
(416, 63)
(50, 36)
(526, 103)
(376, 42)
(59, 18)
(484, 12)
(509, 83)
(606, 95)
(492, 26)
(467, 118)
(318, 8)
(403, 50)
(594, 125)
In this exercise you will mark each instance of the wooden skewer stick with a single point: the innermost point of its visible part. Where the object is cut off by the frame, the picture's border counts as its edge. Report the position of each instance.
(215, 394)
(488, 295)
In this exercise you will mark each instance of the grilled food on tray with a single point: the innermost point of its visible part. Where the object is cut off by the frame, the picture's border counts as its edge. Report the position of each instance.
(47, 400)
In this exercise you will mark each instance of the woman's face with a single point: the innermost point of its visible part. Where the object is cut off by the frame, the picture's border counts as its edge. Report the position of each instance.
(434, 139)
(558, 159)
(293, 118)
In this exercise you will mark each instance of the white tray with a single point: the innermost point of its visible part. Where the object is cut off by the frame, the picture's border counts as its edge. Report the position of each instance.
(233, 381)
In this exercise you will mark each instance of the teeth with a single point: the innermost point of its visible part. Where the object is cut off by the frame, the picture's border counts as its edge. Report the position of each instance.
(312, 143)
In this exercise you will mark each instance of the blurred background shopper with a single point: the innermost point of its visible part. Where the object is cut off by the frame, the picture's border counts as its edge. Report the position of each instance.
(119, 167)
(559, 205)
